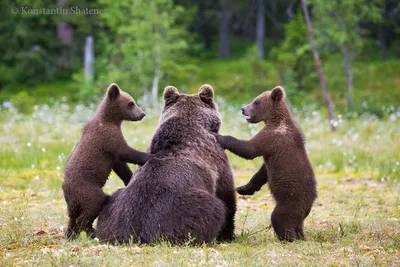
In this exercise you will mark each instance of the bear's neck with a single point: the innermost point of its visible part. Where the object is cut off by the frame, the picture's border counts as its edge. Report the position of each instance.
(175, 133)
(278, 116)
(105, 114)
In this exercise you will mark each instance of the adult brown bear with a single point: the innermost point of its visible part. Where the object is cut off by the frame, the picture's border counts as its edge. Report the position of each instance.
(185, 195)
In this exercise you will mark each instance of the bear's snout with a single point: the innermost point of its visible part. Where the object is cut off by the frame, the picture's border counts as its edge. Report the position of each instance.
(245, 112)
(142, 116)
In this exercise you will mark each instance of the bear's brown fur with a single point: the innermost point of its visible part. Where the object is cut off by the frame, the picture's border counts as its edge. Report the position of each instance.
(186, 194)
(102, 148)
(286, 166)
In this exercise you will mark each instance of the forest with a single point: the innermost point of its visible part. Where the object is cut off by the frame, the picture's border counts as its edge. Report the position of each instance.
(241, 47)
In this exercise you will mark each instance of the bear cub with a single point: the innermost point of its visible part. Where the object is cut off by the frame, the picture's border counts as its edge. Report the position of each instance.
(286, 166)
(102, 148)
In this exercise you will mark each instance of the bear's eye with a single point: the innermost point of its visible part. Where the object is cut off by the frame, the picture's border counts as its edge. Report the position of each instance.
(131, 104)
(256, 102)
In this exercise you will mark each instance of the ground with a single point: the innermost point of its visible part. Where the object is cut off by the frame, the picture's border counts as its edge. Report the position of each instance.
(355, 220)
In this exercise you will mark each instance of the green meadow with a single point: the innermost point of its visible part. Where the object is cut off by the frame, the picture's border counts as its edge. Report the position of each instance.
(355, 220)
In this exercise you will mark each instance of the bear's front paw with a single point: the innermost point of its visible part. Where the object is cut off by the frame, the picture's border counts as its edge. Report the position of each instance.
(245, 191)
(214, 134)
(218, 137)
(70, 234)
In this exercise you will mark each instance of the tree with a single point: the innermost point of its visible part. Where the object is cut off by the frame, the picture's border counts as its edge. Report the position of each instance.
(225, 29)
(389, 26)
(339, 23)
(292, 56)
(146, 47)
(260, 28)
(28, 46)
(65, 36)
(88, 58)
(327, 98)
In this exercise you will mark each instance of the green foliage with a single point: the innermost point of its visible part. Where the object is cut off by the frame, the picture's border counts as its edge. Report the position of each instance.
(135, 39)
(26, 97)
(236, 81)
(88, 91)
(338, 27)
(338, 22)
(295, 63)
(24, 102)
(27, 44)
(239, 81)
(152, 39)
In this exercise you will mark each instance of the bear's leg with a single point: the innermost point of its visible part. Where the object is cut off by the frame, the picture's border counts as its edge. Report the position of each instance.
(307, 212)
(93, 204)
(123, 171)
(255, 183)
(71, 230)
(283, 223)
(226, 192)
(300, 232)
(299, 228)
(84, 223)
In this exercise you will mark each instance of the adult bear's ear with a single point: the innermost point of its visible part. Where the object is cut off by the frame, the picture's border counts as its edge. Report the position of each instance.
(171, 95)
(206, 94)
(113, 91)
(278, 93)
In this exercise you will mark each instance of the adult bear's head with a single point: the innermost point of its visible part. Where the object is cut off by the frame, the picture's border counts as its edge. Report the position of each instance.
(199, 109)
(186, 120)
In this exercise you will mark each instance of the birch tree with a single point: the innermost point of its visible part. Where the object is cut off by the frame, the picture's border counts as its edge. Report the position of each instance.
(338, 23)
(326, 96)
(260, 28)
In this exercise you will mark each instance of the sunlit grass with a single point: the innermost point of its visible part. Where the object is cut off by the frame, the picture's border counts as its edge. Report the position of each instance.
(355, 220)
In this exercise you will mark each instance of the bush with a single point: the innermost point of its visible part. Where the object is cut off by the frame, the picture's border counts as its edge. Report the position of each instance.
(293, 56)
(24, 102)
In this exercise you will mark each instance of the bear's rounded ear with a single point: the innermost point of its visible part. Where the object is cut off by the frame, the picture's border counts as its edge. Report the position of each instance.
(171, 95)
(113, 91)
(206, 94)
(278, 93)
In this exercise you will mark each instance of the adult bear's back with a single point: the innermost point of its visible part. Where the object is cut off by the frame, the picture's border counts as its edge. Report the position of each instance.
(158, 204)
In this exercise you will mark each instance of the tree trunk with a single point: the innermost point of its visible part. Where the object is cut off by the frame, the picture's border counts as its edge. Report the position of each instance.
(88, 59)
(289, 9)
(260, 32)
(349, 73)
(156, 77)
(65, 36)
(382, 34)
(224, 32)
(383, 40)
(203, 27)
(326, 96)
(249, 31)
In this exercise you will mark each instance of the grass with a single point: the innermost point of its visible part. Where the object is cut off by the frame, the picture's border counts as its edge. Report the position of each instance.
(355, 220)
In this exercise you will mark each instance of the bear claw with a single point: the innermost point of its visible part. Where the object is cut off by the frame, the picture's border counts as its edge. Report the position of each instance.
(244, 191)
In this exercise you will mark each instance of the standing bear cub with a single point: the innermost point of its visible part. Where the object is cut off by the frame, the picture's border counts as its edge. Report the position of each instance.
(185, 195)
(101, 149)
(286, 167)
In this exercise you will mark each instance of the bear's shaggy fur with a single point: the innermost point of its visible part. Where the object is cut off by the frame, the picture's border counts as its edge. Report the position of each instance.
(186, 195)
(102, 148)
(286, 166)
